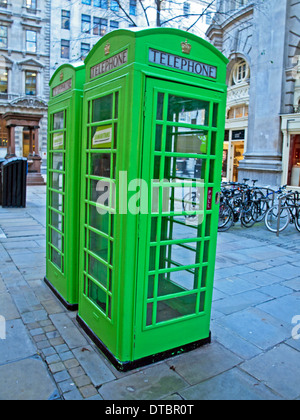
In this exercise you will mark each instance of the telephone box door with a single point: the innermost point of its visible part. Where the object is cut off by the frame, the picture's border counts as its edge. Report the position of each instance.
(182, 159)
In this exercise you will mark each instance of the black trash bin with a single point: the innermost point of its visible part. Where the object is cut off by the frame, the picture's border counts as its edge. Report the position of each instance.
(13, 177)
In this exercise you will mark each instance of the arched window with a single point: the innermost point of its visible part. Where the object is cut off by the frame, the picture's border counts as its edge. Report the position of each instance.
(240, 73)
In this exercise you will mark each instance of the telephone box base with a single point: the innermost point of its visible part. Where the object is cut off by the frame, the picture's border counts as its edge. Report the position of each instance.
(130, 365)
(67, 305)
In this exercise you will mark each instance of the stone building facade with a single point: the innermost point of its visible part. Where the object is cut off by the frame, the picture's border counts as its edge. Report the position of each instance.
(24, 77)
(261, 39)
(77, 25)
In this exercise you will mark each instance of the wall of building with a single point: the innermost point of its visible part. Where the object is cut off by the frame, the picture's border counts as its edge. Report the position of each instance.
(26, 48)
(266, 34)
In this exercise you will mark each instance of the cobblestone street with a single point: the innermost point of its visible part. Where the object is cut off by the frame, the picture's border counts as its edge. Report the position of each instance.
(46, 355)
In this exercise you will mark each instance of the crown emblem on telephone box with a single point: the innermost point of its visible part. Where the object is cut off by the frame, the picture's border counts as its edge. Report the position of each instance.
(107, 49)
(186, 47)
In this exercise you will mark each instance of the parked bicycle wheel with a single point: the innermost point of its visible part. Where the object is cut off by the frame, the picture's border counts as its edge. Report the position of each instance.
(297, 219)
(275, 220)
(226, 217)
(249, 214)
(262, 203)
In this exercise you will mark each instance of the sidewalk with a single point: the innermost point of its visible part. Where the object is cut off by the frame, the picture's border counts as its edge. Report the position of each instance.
(46, 355)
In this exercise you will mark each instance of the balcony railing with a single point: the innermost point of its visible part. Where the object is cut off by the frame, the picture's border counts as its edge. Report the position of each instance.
(238, 94)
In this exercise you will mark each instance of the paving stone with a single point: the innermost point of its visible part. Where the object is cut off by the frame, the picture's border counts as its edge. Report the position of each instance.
(231, 385)
(62, 376)
(93, 365)
(204, 362)
(151, 383)
(67, 386)
(286, 271)
(236, 270)
(293, 284)
(48, 351)
(17, 384)
(233, 342)
(261, 278)
(88, 391)
(71, 363)
(17, 344)
(275, 290)
(73, 395)
(82, 380)
(54, 358)
(283, 308)
(240, 301)
(76, 371)
(234, 285)
(56, 367)
(256, 327)
(69, 332)
(7, 307)
(279, 369)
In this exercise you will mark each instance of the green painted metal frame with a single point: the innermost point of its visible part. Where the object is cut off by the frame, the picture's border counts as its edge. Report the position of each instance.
(66, 91)
(116, 319)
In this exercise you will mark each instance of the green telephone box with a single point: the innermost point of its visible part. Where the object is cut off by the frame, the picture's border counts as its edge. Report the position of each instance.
(153, 130)
(63, 182)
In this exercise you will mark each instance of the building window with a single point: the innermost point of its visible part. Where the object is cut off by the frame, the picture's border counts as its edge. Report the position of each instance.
(3, 3)
(132, 7)
(85, 49)
(86, 24)
(30, 83)
(240, 73)
(65, 19)
(186, 8)
(3, 80)
(99, 26)
(114, 5)
(88, 2)
(65, 48)
(31, 5)
(31, 41)
(101, 3)
(3, 36)
(294, 161)
(113, 25)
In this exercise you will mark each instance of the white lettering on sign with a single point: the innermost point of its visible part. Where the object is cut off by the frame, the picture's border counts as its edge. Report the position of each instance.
(62, 88)
(181, 63)
(109, 64)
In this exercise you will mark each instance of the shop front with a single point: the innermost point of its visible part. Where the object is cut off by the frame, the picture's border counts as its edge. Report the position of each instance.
(235, 143)
(290, 126)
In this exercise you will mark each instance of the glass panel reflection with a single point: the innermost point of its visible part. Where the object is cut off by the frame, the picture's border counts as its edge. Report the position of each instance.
(58, 121)
(187, 110)
(102, 108)
(186, 140)
(100, 164)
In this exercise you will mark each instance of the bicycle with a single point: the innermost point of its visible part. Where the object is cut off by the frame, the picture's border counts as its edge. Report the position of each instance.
(236, 205)
(285, 212)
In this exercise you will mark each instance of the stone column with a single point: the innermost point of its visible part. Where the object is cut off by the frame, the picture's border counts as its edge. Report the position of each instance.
(263, 156)
(30, 141)
(36, 140)
(11, 145)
